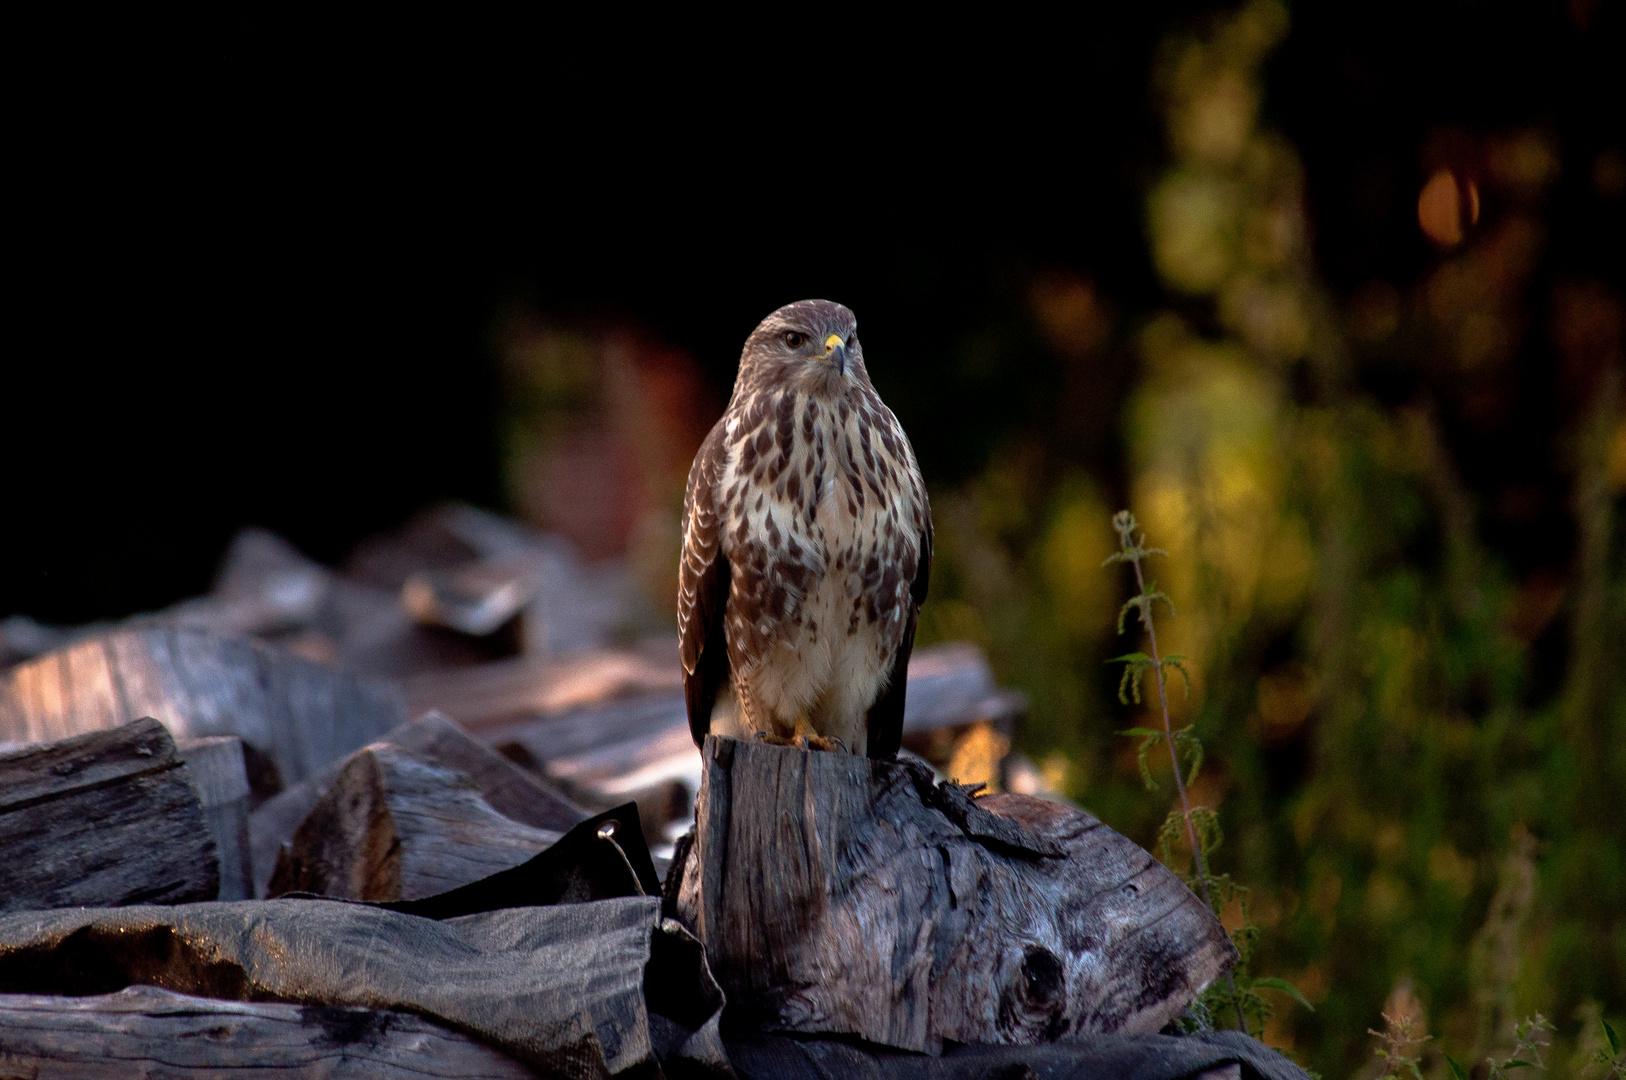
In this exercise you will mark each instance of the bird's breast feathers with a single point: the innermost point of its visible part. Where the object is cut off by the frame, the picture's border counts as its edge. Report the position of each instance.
(821, 511)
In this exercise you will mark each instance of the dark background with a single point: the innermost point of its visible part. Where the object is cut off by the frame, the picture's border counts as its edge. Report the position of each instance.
(231, 306)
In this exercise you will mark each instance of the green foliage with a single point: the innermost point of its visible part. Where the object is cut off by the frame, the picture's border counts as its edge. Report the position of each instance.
(1530, 1039)
(1610, 1056)
(1198, 826)
(1411, 735)
(1400, 1044)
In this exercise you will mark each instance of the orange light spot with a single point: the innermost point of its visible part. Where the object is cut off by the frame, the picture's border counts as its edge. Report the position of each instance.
(1439, 209)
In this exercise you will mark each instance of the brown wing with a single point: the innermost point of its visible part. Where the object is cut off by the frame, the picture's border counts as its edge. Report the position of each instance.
(703, 579)
(884, 723)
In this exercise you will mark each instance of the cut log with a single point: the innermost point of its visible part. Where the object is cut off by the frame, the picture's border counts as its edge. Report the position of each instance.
(103, 820)
(145, 1031)
(393, 827)
(216, 766)
(434, 740)
(839, 895)
(300, 714)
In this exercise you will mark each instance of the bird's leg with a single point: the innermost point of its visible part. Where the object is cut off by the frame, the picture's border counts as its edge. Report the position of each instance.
(808, 738)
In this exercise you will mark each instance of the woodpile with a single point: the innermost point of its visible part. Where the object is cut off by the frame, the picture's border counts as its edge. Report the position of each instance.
(463, 712)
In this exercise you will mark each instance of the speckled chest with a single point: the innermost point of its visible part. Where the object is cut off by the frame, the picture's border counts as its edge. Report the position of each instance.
(822, 513)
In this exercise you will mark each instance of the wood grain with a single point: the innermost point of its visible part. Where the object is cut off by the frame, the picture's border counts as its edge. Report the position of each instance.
(102, 820)
(302, 715)
(147, 1032)
(215, 764)
(839, 895)
(433, 739)
(395, 827)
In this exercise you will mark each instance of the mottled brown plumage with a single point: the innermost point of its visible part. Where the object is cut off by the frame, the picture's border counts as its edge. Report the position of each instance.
(807, 545)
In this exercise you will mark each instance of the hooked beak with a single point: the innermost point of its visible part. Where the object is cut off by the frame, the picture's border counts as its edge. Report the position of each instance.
(836, 350)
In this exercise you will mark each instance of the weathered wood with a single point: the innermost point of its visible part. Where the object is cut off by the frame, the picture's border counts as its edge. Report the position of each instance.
(435, 740)
(216, 766)
(836, 894)
(570, 605)
(473, 598)
(526, 687)
(102, 820)
(148, 1032)
(394, 827)
(300, 714)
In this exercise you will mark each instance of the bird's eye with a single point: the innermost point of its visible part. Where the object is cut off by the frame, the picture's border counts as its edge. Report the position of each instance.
(795, 340)
(852, 339)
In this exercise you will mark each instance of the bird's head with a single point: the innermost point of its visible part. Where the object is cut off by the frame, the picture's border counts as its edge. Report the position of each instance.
(811, 344)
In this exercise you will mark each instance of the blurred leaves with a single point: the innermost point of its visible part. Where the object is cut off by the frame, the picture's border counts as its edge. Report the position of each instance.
(1402, 601)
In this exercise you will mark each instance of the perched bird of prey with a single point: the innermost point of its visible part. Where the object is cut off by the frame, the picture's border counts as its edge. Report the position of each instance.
(807, 547)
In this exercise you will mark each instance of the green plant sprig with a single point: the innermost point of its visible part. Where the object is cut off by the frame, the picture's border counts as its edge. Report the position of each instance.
(1134, 551)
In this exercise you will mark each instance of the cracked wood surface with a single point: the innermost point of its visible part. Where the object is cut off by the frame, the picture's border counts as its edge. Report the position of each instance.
(101, 820)
(837, 894)
(148, 1032)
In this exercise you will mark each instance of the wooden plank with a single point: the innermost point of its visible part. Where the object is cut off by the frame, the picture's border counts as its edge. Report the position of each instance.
(216, 767)
(148, 1032)
(839, 895)
(102, 820)
(299, 714)
(394, 827)
(433, 739)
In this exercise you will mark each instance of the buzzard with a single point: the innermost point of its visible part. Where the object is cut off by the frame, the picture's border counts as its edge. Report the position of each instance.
(807, 547)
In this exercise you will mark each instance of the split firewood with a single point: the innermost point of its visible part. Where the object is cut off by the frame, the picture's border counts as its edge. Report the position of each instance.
(103, 820)
(216, 767)
(394, 827)
(474, 598)
(146, 1031)
(531, 686)
(449, 567)
(841, 895)
(434, 740)
(297, 714)
(604, 752)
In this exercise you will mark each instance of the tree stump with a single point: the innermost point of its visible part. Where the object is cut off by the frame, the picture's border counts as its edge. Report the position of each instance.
(840, 895)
